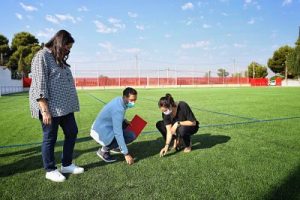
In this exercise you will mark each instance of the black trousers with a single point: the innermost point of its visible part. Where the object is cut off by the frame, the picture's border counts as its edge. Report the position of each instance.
(183, 132)
(69, 126)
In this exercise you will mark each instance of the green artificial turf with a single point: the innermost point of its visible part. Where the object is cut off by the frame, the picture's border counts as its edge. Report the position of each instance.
(259, 160)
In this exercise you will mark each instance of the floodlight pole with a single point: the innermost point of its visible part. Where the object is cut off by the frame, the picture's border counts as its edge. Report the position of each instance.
(138, 69)
(75, 75)
(286, 72)
(176, 76)
(253, 73)
(208, 77)
(168, 69)
(119, 77)
(158, 77)
(223, 73)
(97, 78)
(193, 76)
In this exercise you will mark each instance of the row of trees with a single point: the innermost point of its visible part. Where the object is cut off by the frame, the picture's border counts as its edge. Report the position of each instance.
(284, 62)
(255, 70)
(17, 56)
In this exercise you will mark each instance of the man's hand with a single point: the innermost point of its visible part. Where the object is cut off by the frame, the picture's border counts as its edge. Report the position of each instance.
(127, 122)
(129, 159)
(47, 118)
(164, 150)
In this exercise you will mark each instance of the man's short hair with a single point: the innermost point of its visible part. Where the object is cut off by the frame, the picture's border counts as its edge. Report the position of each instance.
(129, 91)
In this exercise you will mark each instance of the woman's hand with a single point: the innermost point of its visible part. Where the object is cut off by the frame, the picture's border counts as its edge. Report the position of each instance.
(47, 118)
(46, 115)
(164, 150)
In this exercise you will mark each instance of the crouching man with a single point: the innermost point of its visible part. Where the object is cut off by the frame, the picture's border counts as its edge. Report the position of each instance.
(109, 128)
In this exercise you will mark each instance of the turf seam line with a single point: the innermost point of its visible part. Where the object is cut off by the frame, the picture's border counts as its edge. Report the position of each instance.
(220, 113)
(203, 126)
(147, 132)
(96, 98)
(36, 143)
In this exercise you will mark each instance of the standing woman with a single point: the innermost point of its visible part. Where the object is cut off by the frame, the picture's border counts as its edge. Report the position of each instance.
(178, 122)
(53, 100)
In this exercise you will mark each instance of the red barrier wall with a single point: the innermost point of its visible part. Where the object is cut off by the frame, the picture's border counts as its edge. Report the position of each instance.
(133, 81)
(259, 81)
(26, 82)
(278, 81)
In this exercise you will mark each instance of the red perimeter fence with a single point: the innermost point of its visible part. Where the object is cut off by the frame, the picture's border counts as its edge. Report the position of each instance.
(133, 81)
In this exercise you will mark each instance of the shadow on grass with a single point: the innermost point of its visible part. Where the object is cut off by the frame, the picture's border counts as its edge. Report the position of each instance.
(32, 159)
(288, 189)
(205, 141)
(144, 149)
(140, 150)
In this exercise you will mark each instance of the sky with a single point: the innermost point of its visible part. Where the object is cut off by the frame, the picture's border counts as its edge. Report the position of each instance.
(125, 35)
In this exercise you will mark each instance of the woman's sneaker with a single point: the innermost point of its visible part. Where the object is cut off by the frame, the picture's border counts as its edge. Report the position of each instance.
(105, 156)
(72, 169)
(55, 176)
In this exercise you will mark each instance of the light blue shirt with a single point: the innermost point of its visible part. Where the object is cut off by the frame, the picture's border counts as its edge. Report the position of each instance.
(108, 124)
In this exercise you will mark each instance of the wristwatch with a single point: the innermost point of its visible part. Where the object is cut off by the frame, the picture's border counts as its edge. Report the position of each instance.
(44, 111)
(178, 124)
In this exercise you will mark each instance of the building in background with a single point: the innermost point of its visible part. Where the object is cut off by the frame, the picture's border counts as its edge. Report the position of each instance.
(8, 85)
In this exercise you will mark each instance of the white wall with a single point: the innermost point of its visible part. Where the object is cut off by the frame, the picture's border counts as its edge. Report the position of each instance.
(291, 83)
(7, 85)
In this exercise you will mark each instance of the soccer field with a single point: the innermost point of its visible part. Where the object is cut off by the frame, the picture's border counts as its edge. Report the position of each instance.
(247, 147)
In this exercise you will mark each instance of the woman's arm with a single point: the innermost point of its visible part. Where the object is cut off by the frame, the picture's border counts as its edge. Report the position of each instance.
(182, 123)
(187, 123)
(169, 135)
(39, 72)
(45, 111)
(164, 150)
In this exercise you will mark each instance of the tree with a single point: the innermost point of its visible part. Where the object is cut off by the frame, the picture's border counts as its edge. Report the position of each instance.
(24, 46)
(293, 60)
(20, 60)
(4, 50)
(278, 62)
(23, 39)
(222, 73)
(259, 70)
(27, 60)
(238, 74)
(207, 74)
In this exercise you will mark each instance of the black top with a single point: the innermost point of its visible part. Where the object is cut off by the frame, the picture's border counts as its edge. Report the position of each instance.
(184, 113)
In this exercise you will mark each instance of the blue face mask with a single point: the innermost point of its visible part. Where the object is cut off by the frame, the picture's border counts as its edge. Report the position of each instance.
(130, 104)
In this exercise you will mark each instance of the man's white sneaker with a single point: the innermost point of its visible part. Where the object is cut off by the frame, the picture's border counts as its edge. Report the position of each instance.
(55, 176)
(72, 169)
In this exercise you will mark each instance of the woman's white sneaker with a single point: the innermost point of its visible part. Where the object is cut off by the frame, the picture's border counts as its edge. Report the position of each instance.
(72, 169)
(55, 176)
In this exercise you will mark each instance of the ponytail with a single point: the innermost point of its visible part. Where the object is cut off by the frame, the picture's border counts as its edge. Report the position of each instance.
(166, 101)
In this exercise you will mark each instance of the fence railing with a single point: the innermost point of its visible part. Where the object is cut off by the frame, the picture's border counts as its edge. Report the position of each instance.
(162, 81)
(10, 89)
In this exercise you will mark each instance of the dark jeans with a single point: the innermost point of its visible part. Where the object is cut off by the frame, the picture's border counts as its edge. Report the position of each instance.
(183, 132)
(128, 137)
(69, 126)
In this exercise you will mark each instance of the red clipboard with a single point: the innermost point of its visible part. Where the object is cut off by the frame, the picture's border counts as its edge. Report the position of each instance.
(136, 125)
